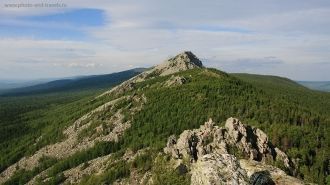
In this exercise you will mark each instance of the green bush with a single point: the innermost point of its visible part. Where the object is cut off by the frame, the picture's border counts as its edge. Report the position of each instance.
(143, 162)
(115, 171)
(164, 174)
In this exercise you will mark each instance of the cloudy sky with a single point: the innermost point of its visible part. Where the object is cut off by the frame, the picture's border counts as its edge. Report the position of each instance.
(288, 38)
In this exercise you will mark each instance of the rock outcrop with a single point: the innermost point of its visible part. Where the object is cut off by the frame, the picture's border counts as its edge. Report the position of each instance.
(181, 62)
(217, 169)
(250, 142)
(278, 176)
(212, 150)
(175, 80)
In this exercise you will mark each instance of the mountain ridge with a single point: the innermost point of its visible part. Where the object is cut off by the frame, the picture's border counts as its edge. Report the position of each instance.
(123, 134)
(74, 84)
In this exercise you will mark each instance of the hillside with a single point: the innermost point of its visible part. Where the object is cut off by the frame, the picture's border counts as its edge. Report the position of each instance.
(123, 135)
(25, 117)
(293, 92)
(74, 84)
(12, 84)
(269, 81)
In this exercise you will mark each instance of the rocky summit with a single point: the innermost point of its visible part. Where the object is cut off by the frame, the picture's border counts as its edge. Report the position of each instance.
(181, 62)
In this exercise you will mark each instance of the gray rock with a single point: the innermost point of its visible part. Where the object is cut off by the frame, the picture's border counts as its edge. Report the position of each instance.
(217, 169)
(261, 178)
(181, 62)
(175, 80)
(208, 146)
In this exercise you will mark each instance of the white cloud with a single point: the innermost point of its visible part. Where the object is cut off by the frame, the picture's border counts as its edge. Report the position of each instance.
(78, 65)
(143, 33)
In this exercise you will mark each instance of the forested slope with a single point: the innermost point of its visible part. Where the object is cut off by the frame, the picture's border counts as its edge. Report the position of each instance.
(296, 119)
(44, 110)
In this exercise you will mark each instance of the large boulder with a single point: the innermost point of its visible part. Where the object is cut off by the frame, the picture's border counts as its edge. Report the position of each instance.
(260, 173)
(218, 169)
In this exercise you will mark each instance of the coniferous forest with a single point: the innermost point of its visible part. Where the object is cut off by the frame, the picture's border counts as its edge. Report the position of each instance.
(295, 118)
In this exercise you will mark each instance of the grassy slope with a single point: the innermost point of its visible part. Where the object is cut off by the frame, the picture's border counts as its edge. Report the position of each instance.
(295, 118)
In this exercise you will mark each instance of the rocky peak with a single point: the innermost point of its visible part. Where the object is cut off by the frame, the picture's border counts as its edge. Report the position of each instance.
(188, 58)
(181, 62)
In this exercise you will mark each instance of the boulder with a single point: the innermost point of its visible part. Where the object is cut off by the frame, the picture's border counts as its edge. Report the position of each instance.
(261, 178)
(175, 80)
(217, 169)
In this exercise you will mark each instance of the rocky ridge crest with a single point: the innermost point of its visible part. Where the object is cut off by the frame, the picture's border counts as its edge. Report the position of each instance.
(115, 123)
(181, 62)
(211, 151)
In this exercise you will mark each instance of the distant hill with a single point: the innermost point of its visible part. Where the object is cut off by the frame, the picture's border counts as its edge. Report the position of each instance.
(316, 85)
(7, 84)
(269, 81)
(74, 84)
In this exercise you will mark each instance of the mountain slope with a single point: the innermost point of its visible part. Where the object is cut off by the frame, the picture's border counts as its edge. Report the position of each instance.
(291, 91)
(25, 118)
(121, 133)
(269, 81)
(76, 84)
(12, 84)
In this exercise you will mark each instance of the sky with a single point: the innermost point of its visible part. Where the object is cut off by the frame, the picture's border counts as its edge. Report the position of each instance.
(42, 39)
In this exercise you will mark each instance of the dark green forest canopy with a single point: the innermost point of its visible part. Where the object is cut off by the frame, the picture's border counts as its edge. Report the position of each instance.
(295, 118)
(25, 119)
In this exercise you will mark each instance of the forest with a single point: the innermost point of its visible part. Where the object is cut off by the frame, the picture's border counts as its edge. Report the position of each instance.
(296, 119)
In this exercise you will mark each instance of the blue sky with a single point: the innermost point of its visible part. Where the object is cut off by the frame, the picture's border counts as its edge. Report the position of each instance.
(276, 37)
(68, 25)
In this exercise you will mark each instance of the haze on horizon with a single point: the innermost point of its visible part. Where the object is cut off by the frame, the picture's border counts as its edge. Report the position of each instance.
(276, 37)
